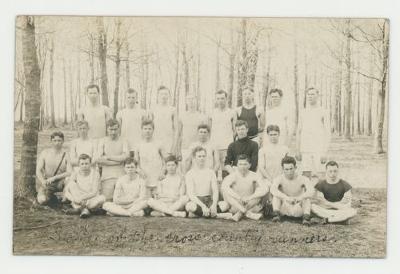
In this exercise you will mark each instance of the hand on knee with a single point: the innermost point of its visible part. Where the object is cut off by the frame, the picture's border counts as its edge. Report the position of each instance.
(190, 207)
(42, 199)
(224, 206)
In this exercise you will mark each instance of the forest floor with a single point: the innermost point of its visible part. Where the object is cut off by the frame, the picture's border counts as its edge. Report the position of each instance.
(45, 231)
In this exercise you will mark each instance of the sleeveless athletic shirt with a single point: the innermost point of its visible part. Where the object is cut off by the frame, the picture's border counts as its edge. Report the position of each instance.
(250, 116)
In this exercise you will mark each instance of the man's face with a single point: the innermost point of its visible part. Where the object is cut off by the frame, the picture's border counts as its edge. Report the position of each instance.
(84, 164)
(203, 134)
(332, 172)
(276, 99)
(57, 142)
(289, 171)
(220, 100)
(83, 130)
(171, 167)
(93, 95)
(191, 103)
(163, 96)
(147, 131)
(200, 158)
(248, 96)
(241, 131)
(113, 131)
(130, 168)
(131, 99)
(243, 166)
(273, 136)
(312, 97)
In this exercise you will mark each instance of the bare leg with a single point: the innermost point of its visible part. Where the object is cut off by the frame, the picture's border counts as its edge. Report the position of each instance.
(169, 209)
(96, 202)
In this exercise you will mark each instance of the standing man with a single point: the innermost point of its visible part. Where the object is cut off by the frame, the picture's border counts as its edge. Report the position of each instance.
(243, 145)
(81, 145)
(252, 115)
(53, 166)
(130, 118)
(222, 129)
(313, 136)
(95, 114)
(112, 151)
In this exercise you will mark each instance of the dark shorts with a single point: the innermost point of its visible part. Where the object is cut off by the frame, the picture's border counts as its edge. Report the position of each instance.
(207, 200)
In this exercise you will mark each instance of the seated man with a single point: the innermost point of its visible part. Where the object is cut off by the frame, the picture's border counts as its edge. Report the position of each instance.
(170, 195)
(129, 195)
(83, 188)
(201, 186)
(333, 197)
(53, 166)
(291, 193)
(243, 190)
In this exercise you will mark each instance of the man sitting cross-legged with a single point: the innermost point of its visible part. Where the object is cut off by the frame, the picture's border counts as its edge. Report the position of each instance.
(242, 191)
(291, 193)
(333, 197)
(129, 195)
(83, 188)
(202, 188)
(170, 195)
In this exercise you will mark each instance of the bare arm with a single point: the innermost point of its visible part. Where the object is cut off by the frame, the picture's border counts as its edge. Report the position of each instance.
(214, 189)
(64, 174)
(190, 192)
(229, 159)
(261, 188)
(309, 190)
(226, 186)
(182, 189)
(342, 204)
(216, 163)
(39, 169)
(275, 191)
(261, 165)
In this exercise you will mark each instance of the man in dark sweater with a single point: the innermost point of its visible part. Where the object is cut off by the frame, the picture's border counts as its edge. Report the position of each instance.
(243, 145)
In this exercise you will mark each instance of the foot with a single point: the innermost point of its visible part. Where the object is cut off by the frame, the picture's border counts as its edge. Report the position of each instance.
(225, 216)
(139, 213)
(72, 211)
(157, 214)
(306, 222)
(318, 221)
(85, 213)
(253, 216)
(110, 214)
(180, 214)
(276, 219)
(237, 216)
(192, 215)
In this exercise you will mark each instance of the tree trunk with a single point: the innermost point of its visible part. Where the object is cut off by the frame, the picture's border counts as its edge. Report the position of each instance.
(91, 60)
(117, 66)
(232, 55)
(217, 73)
(186, 72)
(347, 131)
(52, 113)
(305, 79)
(242, 67)
(71, 96)
(65, 93)
(32, 110)
(21, 109)
(102, 48)
(296, 86)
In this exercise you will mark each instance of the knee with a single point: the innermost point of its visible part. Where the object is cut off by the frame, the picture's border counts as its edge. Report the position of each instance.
(107, 205)
(42, 198)
(184, 199)
(150, 202)
(191, 207)
(223, 205)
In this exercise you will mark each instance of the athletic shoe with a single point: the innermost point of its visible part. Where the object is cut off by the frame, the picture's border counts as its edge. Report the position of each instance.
(72, 211)
(192, 215)
(237, 216)
(276, 219)
(180, 214)
(306, 222)
(157, 214)
(85, 213)
(253, 216)
(225, 216)
(139, 213)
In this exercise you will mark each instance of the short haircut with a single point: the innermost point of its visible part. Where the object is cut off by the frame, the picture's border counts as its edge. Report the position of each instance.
(112, 122)
(243, 157)
(57, 134)
(276, 90)
(273, 128)
(312, 88)
(84, 157)
(82, 123)
(288, 160)
(147, 122)
(240, 123)
(197, 149)
(332, 163)
(131, 91)
(93, 86)
(221, 91)
(201, 126)
(171, 158)
(129, 161)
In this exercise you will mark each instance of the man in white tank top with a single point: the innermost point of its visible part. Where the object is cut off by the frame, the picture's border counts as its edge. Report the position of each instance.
(81, 145)
(95, 114)
(130, 118)
(222, 128)
(313, 136)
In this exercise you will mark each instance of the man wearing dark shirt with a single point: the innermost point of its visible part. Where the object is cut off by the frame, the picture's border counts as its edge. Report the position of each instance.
(333, 197)
(243, 145)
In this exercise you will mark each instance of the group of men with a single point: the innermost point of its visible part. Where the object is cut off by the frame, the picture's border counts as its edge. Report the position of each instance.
(230, 164)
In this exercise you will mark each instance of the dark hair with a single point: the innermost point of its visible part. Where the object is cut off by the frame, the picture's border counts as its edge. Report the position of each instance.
(221, 91)
(197, 149)
(57, 134)
(147, 122)
(171, 158)
(129, 161)
(273, 128)
(332, 163)
(130, 91)
(84, 157)
(112, 122)
(93, 86)
(243, 157)
(203, 126)
(288, 160)
(312, 88)
(276, 90)
(240, 123)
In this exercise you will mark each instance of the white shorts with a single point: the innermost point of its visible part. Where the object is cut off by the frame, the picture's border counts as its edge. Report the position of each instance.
(291, 210)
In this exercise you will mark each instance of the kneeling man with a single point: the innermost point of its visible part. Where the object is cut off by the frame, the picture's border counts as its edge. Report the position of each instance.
(333, 197)
(291, 193)
(129, 197)
(83, 188)
(170, 194)
(242, 191)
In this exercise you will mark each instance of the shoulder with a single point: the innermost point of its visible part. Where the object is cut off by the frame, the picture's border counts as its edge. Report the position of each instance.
(320, 185)
(346, 185)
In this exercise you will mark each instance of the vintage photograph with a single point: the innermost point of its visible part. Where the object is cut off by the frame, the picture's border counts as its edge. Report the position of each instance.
(200, 136)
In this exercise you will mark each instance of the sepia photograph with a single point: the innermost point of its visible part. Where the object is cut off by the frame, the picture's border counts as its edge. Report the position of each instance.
(200, 136)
